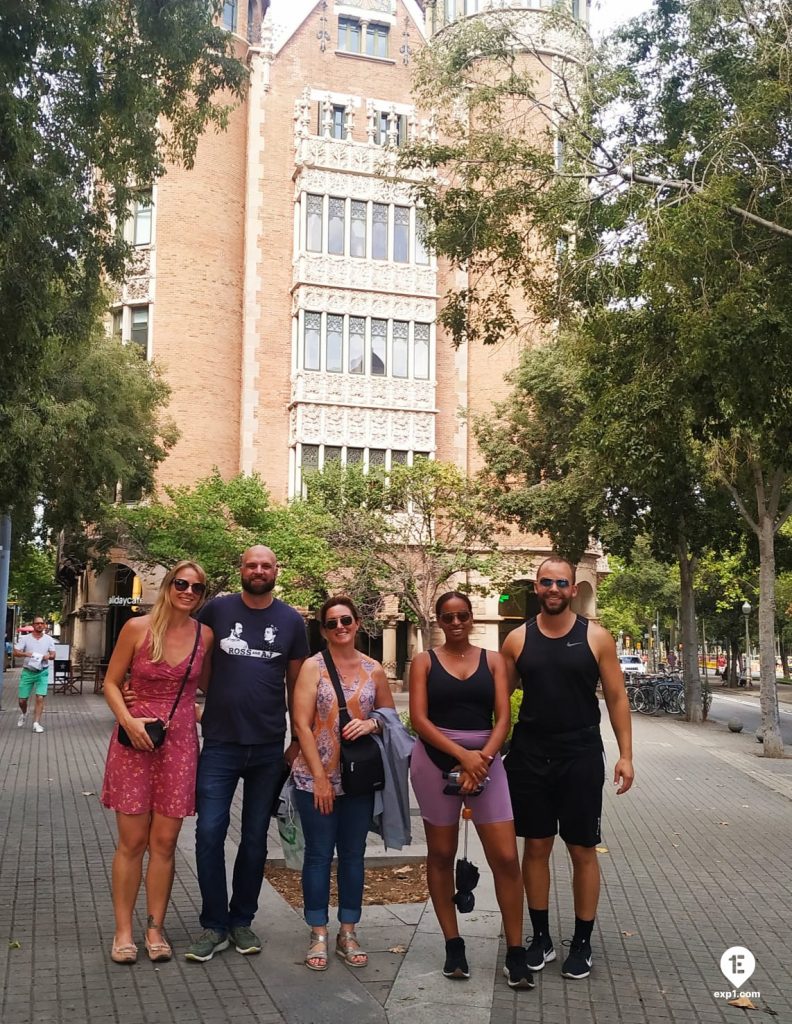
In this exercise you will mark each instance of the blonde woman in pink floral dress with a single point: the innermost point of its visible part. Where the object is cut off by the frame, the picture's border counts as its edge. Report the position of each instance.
(153, 790)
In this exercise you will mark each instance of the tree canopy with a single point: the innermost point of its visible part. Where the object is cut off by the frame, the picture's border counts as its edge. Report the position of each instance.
(638, 203)
(413, 533)
(214, 521)
(95, 99)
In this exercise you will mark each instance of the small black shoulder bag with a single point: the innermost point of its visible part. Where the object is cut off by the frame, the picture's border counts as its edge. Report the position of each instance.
(158, 730)
(361, 759)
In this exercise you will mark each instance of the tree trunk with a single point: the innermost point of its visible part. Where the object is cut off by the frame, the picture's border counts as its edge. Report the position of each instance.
(768, 688)
(782, 650)
(734, 661)
(690, 669)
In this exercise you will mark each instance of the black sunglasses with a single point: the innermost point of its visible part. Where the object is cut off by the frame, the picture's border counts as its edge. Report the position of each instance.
(181, 585)
(448, 617)
(546, 583)
(344, 620)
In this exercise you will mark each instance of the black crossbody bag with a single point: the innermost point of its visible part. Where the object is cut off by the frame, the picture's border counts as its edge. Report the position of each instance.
(362, 770)
(158, 730)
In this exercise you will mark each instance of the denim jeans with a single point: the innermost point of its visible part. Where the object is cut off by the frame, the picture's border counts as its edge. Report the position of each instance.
(220, 768)
(345, 831)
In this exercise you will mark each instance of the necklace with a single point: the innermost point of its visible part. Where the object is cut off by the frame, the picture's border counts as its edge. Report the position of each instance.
(460, 654)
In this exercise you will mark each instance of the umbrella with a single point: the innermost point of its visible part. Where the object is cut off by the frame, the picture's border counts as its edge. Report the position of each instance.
(466, 875)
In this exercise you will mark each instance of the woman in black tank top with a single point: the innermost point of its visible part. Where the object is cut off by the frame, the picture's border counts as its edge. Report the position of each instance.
(455, 691)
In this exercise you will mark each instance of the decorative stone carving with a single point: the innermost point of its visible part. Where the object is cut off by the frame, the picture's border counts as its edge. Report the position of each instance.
(361, 390)
(312, 151)
(136, 286)
(364, 275)
(372, 428)
(388, 307)
(381, 6)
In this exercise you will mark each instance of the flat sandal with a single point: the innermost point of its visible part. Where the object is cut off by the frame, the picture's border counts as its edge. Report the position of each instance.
(158, 952)
(125, 954)
(344, 950)
(317, 950)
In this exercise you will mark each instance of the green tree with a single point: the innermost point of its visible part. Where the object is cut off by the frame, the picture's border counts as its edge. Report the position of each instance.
(668, 217)
(95, 99)
(637, 593)
(32, 583)
(214, 521)
(413, 533)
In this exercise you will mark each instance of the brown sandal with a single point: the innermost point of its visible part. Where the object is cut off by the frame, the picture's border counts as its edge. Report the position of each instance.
(344, 949)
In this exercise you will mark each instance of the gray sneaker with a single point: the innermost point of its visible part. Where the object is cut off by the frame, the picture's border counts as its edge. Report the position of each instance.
(206, 945)
(245, 940)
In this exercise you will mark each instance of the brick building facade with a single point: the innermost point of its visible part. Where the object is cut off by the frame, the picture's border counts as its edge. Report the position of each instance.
(283, 286)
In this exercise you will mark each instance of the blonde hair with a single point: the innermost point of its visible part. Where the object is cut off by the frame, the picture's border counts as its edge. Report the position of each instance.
(161, 612)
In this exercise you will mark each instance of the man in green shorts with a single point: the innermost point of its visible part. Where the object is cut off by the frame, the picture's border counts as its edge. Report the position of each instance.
(38, 650)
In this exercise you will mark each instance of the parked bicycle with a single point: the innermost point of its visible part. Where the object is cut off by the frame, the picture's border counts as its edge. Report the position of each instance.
(656, 693)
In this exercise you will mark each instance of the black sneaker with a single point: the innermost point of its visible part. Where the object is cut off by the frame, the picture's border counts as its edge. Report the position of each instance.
(578, 963)
(456, 965)
(518, 973)
(540, 952)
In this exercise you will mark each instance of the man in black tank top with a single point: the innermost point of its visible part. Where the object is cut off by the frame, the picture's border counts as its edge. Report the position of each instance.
(556, 762)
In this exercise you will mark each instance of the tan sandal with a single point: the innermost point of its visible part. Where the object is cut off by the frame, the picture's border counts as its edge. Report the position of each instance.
(126, 954)
(345, 949)
(317, 951)
(158, 952)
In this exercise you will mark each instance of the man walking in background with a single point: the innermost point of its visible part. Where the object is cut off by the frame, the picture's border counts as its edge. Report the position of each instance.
(555, 765)
(38, 650)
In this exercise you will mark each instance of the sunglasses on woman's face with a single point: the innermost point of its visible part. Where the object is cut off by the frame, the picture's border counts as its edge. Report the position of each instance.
(196, 588)
(448, 617)
(344, 620)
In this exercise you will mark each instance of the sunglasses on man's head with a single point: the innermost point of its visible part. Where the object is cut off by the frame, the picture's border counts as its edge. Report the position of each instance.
(181, 585)
(448, 617)
(344, 620)
(546, 582)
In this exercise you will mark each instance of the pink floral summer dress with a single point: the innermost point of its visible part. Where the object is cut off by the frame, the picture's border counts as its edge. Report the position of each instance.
(162, 780)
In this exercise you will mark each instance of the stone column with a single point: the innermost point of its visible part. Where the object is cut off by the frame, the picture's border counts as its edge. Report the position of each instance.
(389, 651)
(93, 618)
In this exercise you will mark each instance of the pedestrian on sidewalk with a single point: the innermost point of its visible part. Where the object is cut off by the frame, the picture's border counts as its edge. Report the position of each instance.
(152, 788)
(555, 765)
(260, 644)
(455, 690)
(38, 650)
(332, 820)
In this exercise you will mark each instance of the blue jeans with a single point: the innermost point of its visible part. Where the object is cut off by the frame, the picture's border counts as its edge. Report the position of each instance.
(220, 768)
(344, 830)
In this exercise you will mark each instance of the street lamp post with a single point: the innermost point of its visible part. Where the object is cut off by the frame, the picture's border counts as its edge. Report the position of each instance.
(655, 661)
(746, 610)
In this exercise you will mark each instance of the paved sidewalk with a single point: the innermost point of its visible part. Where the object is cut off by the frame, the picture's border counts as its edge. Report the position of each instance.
(695, 860)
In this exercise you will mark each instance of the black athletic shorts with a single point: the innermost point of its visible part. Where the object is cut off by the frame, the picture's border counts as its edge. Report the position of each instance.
(554, 793)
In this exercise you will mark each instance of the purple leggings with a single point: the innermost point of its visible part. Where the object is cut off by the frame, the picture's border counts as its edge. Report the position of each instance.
(494, 804)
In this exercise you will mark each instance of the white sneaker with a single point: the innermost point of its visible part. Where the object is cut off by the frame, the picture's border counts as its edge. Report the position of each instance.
(38, 727)
(22, 719)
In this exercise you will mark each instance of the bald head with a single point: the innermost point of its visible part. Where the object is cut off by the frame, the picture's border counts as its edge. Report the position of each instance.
(259, 552)
(258, 570)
